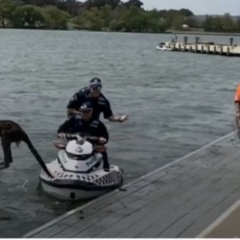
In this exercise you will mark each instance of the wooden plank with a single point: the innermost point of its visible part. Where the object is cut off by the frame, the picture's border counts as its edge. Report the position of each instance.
(91, 231)
(201, 223)
(188, 220)
(178, 227)
(101, 208)
(171, 211)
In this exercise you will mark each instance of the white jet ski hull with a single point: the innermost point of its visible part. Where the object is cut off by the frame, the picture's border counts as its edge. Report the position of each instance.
(79, 186)
(164, 48)
(71, 194)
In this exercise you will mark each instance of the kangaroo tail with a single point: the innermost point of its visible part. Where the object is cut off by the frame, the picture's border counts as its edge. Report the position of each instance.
(36, 155)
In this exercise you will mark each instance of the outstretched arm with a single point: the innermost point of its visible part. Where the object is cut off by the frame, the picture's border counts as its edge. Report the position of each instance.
(108, 114)
(118, 119)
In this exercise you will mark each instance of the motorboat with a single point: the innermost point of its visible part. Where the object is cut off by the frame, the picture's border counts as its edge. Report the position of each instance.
(78, 171)
(163, 47)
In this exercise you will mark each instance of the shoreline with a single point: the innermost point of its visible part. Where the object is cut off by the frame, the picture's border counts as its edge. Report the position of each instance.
(167, 32)
(205, 33)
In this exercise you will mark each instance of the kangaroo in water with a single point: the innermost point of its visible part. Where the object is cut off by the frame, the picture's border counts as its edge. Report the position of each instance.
(11, 132)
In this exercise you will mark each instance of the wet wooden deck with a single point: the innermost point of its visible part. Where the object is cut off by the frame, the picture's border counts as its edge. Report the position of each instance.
(177, 200)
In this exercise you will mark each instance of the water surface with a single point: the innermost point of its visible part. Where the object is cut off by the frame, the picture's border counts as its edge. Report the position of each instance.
(176, 103)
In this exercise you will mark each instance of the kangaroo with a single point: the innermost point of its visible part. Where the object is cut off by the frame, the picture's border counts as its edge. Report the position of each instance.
(11, 132)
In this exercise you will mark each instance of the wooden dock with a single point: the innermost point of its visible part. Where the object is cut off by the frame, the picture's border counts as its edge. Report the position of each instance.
(230, 49)
(178, 200)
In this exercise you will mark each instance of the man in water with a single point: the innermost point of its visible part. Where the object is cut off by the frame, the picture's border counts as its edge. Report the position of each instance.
(87, 125)
(99, 102)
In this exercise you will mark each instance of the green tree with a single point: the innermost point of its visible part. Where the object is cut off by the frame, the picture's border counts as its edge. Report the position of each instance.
(70, 6)
(6, 9)
(163, 13)
(135, 3)
(207, 23)
(105, 14)
(228, 23)
(238, 25)
(55, 18)
(115, 25)
(177, 22)
(118, 12)
(162, 25)
(100, 3)
(192, 22)
(150, 21)
(186, 12)
(90, 19)
(28, 16)
(131, 19)
(217, 24)
(154, 13)
(220, 24)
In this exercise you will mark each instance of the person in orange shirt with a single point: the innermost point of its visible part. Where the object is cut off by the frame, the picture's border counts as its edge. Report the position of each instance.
(237, 107)
(237, 101)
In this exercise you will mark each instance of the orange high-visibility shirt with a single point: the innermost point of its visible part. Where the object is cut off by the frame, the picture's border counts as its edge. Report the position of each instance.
(237, 94)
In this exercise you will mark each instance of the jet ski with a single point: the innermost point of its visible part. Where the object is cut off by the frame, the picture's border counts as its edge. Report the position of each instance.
(78, 171)
(162, 46)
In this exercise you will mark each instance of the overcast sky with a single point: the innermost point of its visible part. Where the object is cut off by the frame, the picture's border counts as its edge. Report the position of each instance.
(197, 6)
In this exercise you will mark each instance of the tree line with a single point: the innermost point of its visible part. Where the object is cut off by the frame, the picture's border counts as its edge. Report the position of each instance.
(105, 15)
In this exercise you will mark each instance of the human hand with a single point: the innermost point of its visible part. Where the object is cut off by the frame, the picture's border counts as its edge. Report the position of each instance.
(102, 140)
(61, 135)
(123, 118)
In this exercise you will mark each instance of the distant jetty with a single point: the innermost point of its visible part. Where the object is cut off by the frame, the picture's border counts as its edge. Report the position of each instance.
(229, 49)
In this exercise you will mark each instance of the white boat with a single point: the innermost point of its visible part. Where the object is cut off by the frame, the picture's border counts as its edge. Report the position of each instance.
(162, 46)
(78, 171)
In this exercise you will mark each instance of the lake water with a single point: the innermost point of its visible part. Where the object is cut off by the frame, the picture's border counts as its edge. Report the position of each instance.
(176, 103)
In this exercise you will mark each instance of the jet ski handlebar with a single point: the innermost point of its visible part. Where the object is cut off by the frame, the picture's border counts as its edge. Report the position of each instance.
(78, 137)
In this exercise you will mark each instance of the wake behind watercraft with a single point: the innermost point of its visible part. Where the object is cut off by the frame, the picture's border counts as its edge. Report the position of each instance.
(78, 171)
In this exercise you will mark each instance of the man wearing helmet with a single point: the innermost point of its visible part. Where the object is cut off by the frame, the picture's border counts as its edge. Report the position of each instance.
(87, 125)
(99, 102)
